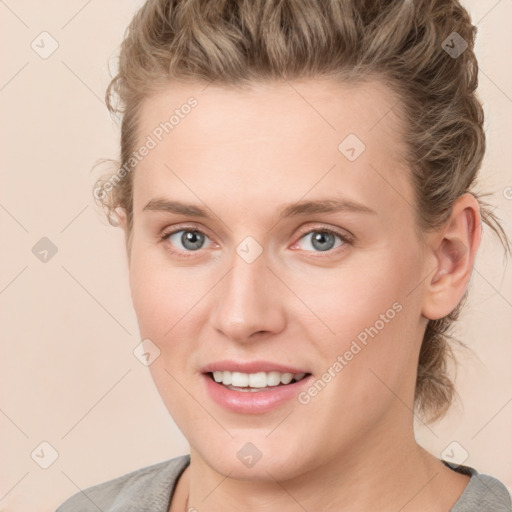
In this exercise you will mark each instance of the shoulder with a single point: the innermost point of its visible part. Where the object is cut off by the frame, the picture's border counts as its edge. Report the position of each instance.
(483, 492)
(149, 486)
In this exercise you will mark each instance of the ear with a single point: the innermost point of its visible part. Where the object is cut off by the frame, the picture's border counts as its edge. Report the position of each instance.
(120, 217)
(454, 249)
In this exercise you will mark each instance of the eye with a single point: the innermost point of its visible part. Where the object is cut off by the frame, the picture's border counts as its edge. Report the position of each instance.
(191, 239)
(322, 240)
(186, 239)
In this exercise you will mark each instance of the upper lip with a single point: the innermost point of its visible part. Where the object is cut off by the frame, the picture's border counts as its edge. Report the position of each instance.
(250, 367)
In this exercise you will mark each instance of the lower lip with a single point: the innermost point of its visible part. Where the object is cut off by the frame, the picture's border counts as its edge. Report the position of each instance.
(253, 402)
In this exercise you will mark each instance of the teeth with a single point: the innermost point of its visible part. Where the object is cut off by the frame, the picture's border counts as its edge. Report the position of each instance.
(255, 380)
(286, 378)
(240, 380)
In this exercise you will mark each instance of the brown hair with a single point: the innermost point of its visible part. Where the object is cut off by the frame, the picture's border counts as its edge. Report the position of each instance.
(410, 45)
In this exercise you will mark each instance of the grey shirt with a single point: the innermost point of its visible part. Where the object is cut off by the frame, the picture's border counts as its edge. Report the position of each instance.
(150, 489)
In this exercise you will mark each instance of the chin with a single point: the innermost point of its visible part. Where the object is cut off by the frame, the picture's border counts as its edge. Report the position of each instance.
(252, 457)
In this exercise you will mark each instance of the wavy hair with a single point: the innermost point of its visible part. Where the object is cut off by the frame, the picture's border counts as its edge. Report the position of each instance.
(407, 43)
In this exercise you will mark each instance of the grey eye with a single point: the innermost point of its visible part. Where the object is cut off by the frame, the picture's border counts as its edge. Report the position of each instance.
(321, 240)
(189, 239)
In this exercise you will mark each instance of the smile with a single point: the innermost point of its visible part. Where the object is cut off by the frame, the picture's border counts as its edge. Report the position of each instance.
(257, 392)
(253, 382)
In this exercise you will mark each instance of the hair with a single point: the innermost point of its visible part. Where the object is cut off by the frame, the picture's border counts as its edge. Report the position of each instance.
(402, 42)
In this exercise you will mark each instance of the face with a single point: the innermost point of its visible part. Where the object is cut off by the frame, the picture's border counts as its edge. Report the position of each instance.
(267, 240)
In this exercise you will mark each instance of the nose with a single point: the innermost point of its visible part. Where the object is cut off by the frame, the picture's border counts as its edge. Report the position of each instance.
(248, 302)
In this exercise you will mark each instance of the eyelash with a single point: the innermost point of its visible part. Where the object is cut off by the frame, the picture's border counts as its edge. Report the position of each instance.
(321, 229)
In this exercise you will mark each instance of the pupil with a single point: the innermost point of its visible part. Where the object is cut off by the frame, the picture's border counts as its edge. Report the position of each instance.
(321, 239)
(192, 240)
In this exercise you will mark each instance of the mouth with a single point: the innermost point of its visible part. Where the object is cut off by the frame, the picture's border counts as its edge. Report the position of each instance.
(255, 382)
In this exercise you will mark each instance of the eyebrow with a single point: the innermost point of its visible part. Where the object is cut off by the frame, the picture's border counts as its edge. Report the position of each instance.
(328, 205)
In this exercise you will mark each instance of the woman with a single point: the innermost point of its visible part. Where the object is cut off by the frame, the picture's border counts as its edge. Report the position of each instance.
(296, 190)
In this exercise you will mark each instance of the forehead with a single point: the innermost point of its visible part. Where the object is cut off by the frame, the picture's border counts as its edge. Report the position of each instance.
(264, 109)
(282, 137)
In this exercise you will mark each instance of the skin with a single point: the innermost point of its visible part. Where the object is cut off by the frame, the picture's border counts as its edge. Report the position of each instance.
(244, 155)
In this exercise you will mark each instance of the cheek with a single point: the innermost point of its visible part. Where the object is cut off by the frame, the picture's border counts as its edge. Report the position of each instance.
(372, 326)
(164, 304)
(162, 295)
(352, 302)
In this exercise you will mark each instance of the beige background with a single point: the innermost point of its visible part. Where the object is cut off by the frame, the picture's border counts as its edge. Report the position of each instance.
(68, 374)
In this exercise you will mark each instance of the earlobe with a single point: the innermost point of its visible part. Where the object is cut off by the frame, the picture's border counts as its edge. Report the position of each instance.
(454, 249)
